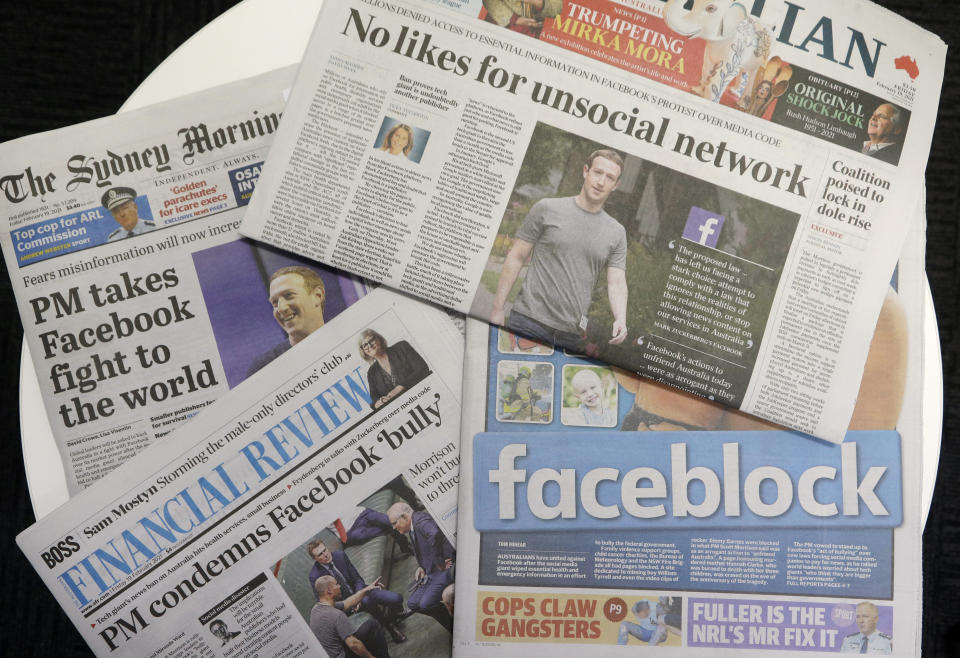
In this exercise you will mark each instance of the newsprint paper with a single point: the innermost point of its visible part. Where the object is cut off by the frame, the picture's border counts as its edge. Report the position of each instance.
(140, 302)
(713, 197)
(586, 526)
(297, 515)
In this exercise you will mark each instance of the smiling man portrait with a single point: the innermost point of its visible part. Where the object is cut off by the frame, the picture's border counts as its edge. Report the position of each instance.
(298, 297)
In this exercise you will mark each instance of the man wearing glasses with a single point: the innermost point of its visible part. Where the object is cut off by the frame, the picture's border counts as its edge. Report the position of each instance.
(884, 132)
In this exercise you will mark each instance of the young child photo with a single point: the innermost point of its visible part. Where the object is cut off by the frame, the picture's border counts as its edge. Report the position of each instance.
(589, 397)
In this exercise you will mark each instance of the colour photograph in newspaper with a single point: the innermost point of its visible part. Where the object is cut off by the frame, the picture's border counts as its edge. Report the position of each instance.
(742, 56)
(132, 342)
(298, 515)
(672, 276)
(414, 571)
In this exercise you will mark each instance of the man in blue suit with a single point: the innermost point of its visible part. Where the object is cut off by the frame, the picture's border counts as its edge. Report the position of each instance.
(382, 604)
(435, 558)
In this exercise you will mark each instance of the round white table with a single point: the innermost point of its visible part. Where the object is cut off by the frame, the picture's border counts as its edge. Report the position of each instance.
(258, 36)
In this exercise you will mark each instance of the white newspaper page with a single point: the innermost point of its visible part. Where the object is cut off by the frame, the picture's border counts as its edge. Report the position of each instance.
(140, 302)
(585, 523)
(299, 515)
(585, 188)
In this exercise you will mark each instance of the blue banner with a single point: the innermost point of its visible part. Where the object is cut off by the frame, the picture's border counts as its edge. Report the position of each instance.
(602, 481)
(843, 562)
(243, 180)
(68, 233)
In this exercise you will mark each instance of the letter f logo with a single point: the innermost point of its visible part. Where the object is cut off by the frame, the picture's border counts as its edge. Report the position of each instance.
(506, 476)
(706, 230)
(703, 227)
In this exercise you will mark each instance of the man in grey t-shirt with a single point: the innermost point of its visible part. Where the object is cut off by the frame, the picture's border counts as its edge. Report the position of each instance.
(572, 240)
(333, 629)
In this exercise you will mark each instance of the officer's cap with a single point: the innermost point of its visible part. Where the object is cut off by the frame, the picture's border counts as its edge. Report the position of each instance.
(116, 196)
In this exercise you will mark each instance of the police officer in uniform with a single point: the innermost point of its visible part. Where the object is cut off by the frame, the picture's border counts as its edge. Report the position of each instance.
(869, 640)
(121, 202)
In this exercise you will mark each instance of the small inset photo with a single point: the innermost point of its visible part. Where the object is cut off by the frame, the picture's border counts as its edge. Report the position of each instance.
(377, 580)
(262, 301)
(589, 396)
(400, 139)
(510, 343)
(524, 392)
(395, 366)
(874, 628)
(652, 621)
(222, 632)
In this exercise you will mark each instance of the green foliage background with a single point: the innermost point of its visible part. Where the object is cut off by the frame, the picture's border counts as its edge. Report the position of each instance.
(570, 400)
(653, 203)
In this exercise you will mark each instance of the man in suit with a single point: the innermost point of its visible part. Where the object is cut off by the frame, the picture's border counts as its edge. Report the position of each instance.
(884, 133)
(382, 604)
(435, 558)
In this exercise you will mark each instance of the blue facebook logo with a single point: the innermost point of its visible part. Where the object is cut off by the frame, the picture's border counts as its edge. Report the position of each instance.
(703, 227)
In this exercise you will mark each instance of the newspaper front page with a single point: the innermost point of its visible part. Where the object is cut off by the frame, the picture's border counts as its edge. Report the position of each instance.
(297, 514)
(140, 302)
(586, 188)
(585, 524)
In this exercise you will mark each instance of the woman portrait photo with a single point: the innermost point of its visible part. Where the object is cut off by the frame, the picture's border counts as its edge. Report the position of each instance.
(393, 368)
(396, 137)
(398, 140)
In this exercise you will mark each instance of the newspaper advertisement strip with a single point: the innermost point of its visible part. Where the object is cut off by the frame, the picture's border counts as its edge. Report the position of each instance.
(307, 511)
(601, 509)
(734, 55)
(714, 244)
(140, 301)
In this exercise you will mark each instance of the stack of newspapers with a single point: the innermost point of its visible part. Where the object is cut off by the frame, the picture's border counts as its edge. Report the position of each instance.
(684, 409)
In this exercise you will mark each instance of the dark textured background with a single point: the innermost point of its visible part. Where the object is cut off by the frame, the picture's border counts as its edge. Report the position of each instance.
(61, 63)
